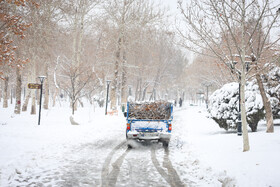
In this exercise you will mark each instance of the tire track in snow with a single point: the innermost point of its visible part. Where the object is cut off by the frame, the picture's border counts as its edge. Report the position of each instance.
(172, 178)
(110, 178)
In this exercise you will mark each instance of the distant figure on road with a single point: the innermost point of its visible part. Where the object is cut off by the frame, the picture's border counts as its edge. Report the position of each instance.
(180, 102)
(175, 102)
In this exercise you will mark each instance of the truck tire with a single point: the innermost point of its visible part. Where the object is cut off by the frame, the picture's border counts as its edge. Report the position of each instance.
(129, 146)
(165, 143)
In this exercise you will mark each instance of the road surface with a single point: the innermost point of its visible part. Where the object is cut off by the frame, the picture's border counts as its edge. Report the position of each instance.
(107, 162)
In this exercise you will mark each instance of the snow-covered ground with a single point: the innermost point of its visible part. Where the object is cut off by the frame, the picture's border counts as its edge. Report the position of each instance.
(222, 151)
(94, 153)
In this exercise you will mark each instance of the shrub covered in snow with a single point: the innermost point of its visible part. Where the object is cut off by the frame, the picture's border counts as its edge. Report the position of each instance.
(224, 105)
(254, 105)
(272, 85)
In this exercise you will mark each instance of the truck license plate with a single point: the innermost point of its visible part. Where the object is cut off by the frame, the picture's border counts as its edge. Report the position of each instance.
(149, 134)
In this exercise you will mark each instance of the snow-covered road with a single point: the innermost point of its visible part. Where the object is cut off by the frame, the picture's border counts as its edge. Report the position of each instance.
(95, 153)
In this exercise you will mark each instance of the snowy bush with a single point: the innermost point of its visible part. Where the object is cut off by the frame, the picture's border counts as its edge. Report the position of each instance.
(254, 105)
(272, 85)
(224, 105)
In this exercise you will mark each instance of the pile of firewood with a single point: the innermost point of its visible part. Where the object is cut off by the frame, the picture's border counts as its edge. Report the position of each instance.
(154, 110)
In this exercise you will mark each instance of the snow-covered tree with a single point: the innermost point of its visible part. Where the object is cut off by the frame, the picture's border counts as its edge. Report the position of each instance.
(272, 85)
(74, 80)
(224, 105)
(219, 29)
(13, 26)
(128, 18)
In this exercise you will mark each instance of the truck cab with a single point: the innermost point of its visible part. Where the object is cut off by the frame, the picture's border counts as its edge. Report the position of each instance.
(149, 121)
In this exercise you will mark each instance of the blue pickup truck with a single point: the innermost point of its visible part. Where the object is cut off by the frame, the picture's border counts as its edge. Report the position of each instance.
(149, 121)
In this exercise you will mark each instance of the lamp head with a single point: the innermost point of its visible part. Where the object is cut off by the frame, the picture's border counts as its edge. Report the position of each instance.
(108, 81)
(42, 78)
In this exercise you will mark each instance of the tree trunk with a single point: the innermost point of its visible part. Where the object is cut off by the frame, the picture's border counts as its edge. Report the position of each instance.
(18, 91)
(144, 94)
(5, 97)
(73, 107)
(76, 106)
(26, 101)
(33, 105)
(74, 59)
(124, 89)
(46, 87)
(137, 89)
(115, 80)
(267, 106)
(37, 96)
(140, 90)
(246, 146)
(11, 96)
(54, 96)
(33, 93)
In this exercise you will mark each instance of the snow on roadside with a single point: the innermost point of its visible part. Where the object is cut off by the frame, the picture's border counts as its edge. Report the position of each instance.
(196, 170)
(25, 146)
(221, 151)
(201, 152)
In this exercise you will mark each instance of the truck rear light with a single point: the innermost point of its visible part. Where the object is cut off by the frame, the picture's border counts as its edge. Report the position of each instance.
(170, 127)
(128, 126)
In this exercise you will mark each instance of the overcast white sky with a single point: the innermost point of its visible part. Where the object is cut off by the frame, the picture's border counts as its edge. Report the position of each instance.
(171, 3)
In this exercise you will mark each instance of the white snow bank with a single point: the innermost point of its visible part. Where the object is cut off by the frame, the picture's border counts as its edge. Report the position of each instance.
(199, 150)
(27, 146)
(222, 150)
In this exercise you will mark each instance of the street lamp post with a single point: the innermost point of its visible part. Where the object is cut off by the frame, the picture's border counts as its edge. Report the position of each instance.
(108, 83)
(42, 78)
(207, 85)
(239, 129)
(207, 97)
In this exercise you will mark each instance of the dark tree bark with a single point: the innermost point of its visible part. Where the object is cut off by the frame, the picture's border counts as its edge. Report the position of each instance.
(267, 105)
(46, 87)
(18, 91)
(5, 97)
